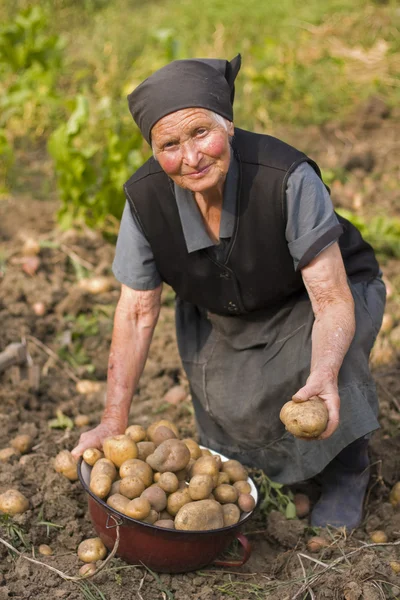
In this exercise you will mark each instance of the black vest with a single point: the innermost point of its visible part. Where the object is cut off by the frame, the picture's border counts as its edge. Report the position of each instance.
(258, 272)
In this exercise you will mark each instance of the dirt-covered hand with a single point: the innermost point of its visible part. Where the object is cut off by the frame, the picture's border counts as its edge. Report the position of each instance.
(94, 438)
(319, 384)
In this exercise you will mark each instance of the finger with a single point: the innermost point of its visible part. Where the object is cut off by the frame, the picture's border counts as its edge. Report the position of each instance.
(304, 394)
(333, 424)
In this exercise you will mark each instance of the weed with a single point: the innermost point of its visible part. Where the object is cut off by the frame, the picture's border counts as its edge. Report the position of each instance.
(14, 532)
(61, 421)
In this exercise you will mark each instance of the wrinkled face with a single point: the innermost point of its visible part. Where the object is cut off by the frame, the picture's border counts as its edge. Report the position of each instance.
(193, 149)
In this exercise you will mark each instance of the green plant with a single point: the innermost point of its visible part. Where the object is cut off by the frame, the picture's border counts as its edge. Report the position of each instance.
(272, 496)
(30, 63)
(61, 421)
(14, 532)
(93, 155)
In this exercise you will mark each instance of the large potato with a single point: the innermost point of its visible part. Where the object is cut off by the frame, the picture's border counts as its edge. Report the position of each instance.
(202, 515)
(206, 465)
(131, 487)
(225, 494)
(156, 496)
(177, 500)
(161, 434)
(12, 502)
(200, 486)
(103, 466)
(165, 423)
(305, 419)
(235, 470)
(92, 455)
(145, 449)
(118, 502)
(100, 485)
(92, 550)
(64, 463)
(138, 508)
(119, 448)
(231, 514)
(171, 455)
(194, 448)
(136, 433)
(137, 468)
(168, 482)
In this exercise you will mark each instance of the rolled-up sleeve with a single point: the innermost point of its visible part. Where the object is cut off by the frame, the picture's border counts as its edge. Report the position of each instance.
(312, 225)
(134, 264)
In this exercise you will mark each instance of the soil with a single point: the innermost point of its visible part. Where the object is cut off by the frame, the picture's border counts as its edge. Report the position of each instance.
(69, 342)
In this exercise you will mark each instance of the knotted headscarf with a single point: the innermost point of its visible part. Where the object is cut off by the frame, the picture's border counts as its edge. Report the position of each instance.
(195, 83)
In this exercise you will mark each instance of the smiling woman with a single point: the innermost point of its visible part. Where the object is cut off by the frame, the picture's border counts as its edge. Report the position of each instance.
(277, 296)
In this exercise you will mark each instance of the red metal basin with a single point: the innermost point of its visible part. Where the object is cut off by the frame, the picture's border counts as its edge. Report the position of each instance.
(162, 550)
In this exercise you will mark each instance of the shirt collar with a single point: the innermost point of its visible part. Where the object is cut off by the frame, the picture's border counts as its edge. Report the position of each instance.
(194, 231)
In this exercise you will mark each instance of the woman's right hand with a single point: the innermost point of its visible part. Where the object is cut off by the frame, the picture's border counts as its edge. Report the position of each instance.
(95, 437)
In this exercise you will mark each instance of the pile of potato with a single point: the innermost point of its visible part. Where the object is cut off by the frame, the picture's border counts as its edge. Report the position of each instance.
(156, 478)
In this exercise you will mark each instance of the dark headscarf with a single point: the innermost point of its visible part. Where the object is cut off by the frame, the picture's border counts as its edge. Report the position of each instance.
(203, 83)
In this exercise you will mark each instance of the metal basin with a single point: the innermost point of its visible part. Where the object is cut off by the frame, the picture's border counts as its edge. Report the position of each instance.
(163, 550)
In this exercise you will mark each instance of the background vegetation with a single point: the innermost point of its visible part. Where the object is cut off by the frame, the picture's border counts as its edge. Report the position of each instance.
(67, 66)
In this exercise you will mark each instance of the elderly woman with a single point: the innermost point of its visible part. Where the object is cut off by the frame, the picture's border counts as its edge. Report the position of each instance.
(277, 296)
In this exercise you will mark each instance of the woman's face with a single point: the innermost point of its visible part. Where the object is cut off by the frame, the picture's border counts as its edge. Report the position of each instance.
(193, 148)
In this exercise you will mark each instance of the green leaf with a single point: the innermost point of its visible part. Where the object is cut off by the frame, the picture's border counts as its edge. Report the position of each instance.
(290, 511)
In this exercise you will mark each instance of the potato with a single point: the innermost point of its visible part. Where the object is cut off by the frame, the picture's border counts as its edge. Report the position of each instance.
(161, 434)
(177, 500)
(235, 470)
(138, 508)
(6, 454)
(65, 464)
(394, 496)
(12, 502)
(152, 517)
(200, 486)
(22, 443)
(145, 449)
(104, 466)
(115, 487)
(164, 422)
(100, 485)
(206, 465)
(168, 482)
(305, 419)
(156, 496)
(225, 494)
(92, 550)
(302, 504)
(222, 478)
(136, 433)
(194, 448)
(164, 515)
(156, 477)
(205, 452)
(202, 515)
(137, 468)
(131, 487)
(378, 537)
(81, 420)
(119, 448)
(118, 502)
(246, 502)
(242, 487)
(231, 514)
(171, 455)
(395, 566)
(165, 523)
(45, 550)
(88, 569)
(92, 455)
(316, 543)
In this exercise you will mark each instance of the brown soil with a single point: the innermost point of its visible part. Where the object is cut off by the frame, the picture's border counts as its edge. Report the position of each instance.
(70, 342)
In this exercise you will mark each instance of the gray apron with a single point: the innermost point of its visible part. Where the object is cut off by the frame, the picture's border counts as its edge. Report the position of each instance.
(243, 369)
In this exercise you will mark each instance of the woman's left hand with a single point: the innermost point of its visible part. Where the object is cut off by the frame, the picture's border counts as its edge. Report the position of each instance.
(319, 384)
